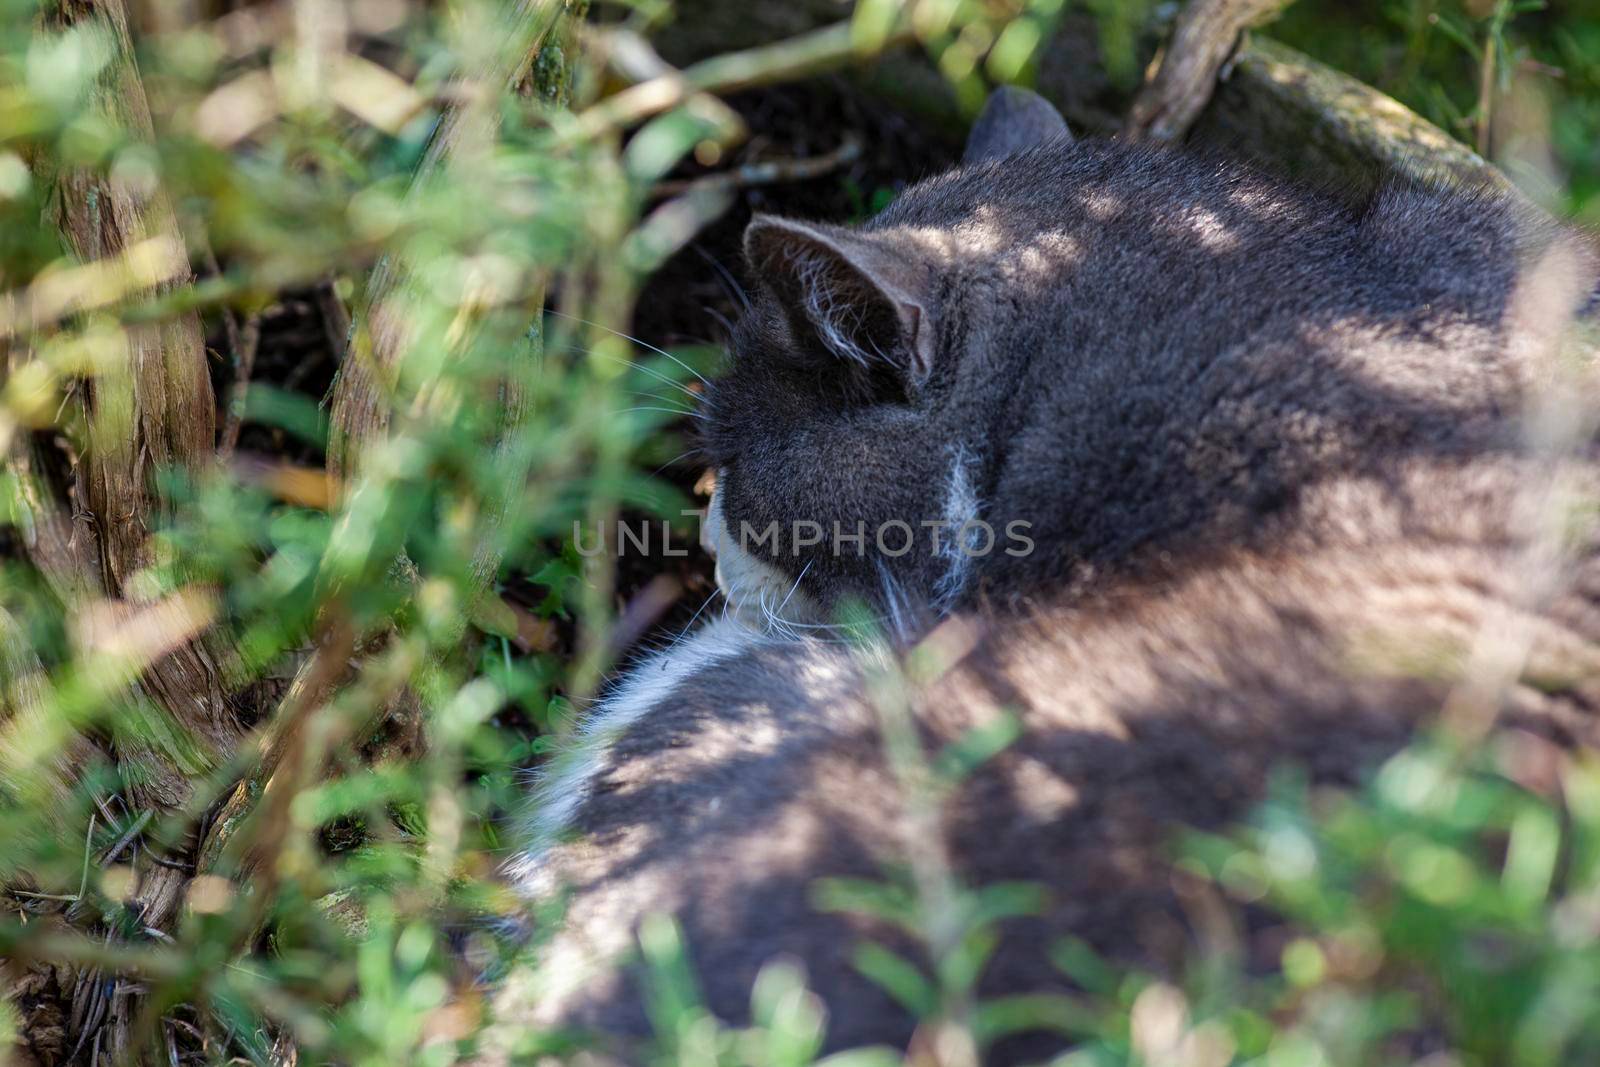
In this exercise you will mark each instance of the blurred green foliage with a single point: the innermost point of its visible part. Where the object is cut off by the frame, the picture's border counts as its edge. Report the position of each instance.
(1448, 911)
(1443, 916)
(1520, 78)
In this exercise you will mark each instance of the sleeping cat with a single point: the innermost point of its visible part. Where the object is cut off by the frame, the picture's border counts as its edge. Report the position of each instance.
(1136, 353)
(1292, 480)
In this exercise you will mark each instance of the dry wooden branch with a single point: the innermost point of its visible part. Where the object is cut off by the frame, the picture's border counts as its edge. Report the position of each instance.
(244, 340)
(1278, 107)
(168, 389)
(283, 748)
(155, 412)
(1205, 36)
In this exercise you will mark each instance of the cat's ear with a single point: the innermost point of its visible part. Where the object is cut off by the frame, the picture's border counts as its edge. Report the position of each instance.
(1013, 120)
(848, 293)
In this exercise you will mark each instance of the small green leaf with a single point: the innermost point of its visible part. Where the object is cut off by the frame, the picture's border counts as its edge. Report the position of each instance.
(899, 978)
(1074, 958)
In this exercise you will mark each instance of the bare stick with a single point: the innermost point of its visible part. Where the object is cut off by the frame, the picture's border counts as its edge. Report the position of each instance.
(245, 341)
(768, 172)
(1205, 36)
(242, 350)
(1486, 74)
(808, 53)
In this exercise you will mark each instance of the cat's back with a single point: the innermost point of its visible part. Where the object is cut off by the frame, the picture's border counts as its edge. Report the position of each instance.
(1180, 349)
(1135, 713)
(1311, 417)
(1141, 202)
(1166, 256)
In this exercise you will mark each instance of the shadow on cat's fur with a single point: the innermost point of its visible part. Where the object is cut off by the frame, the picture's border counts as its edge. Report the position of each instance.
(765, 773)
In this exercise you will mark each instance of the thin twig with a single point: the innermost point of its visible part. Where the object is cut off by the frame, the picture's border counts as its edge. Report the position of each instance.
(230, 322)
(768, 172)
(245, 342)
(1206, 34)
(242, 353)
(806, 53)
(169, 864)
(127, 839)
(1486, 74)
(105, 809)
(88, 844)
(335, 316)
(283, 743)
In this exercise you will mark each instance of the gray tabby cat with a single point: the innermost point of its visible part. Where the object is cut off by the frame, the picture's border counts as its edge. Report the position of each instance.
(1295, 478)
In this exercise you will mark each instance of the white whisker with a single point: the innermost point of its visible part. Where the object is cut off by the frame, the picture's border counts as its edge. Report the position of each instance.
(648, 370)
(723, 321)
(669, 411)
(635, 340)
(798, 579)
(690, 624)
(893, 600)
(656, 396)
(734, 288)
(673, 460)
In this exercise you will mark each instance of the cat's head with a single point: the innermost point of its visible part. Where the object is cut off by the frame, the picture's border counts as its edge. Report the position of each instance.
(842, 433)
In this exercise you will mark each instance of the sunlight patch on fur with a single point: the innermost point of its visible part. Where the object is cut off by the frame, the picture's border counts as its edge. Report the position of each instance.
(561, 787)
(961, 509)
(1212, 232)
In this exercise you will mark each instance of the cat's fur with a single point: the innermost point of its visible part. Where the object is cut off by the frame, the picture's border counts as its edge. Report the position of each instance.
(1287, 505)
(1136, 351)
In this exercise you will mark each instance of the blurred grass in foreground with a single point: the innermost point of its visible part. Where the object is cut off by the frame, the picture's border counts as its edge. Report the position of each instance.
(1495, 73)
(263, 716)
